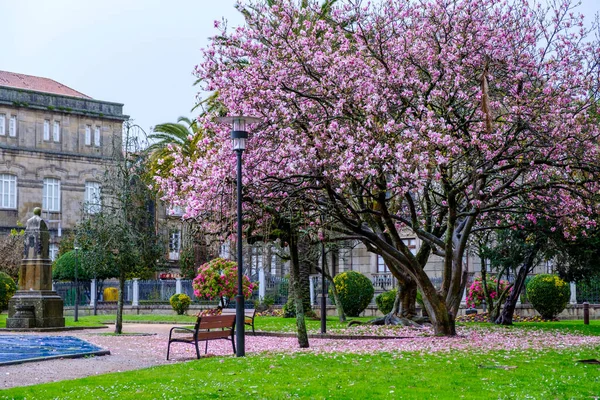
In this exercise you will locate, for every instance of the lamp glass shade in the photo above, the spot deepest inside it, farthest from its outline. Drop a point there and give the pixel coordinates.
(239, 124)
(239, 143)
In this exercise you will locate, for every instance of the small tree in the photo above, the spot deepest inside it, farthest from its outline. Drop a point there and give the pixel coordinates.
(11, 253)
(121, 235)
(217, 279)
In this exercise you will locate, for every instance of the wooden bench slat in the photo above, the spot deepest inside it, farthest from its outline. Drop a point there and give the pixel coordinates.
(223, 325)
(249, 314)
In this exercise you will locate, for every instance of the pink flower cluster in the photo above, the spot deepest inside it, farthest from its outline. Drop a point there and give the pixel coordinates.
(218, 279)
(475, 294)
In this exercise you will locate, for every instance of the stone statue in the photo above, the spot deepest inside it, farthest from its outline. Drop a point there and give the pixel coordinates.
(37, 237)
(35, 304)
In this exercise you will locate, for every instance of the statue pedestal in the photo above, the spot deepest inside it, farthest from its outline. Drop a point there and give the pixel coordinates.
(35, 305)
(35, 309)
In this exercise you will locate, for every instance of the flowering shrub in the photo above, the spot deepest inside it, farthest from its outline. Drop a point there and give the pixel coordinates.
(475, 293)
(548, 294)
(180, 303)
(217, 279)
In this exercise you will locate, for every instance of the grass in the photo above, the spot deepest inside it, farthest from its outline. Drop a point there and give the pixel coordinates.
(453, 375)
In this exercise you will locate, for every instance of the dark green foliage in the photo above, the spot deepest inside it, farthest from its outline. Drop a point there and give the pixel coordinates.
(589, 290)
(355, 292)
(180, 303)
(63, 269)
(548, 294)
(385, 301)
(187, 263)
(7, 289)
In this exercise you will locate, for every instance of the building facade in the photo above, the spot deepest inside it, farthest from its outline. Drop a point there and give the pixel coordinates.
(55, 144)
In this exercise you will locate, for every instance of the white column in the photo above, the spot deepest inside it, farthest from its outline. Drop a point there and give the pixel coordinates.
(312, 290)
(261, 284)
(93, 291)
(178, 285)
(463, 301)
(136, 292)
(573, 299)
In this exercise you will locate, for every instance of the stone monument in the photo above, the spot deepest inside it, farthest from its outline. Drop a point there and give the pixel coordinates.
(35, 304)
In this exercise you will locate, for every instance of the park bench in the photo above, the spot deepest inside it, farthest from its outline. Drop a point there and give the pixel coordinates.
(210, 327)
(249, 314)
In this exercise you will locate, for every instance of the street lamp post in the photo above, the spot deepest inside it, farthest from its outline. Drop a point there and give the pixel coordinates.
(239, 134)
(323, 290)
(76, 312)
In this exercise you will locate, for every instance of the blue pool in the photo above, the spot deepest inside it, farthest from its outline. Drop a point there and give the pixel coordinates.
(15, 349)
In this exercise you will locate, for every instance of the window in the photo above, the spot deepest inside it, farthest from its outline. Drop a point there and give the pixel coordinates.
(174, 244)
(51, 195)
(46, 129)
(175, 211)
(411, 243)
(53, 251)
(381, 267)
(2, 124)
(88, 135)
(8, 191)
(12, 126)
(97, 136)
(56, 131)
(225, 251)
(92, 197)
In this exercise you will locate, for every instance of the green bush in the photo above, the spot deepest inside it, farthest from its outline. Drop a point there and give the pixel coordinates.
(385, 301)
(63, 269)
(354, 290)
(180, 303)
(548, 294)
(7, 290)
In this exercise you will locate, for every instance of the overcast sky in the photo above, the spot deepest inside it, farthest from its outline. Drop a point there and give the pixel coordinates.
(137, 52)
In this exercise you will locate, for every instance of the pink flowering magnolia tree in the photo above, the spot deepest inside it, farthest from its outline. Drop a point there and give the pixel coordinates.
(217, 279)
(429, 119)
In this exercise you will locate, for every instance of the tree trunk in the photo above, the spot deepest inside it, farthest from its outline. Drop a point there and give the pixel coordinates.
(407, 294)
(506, 317)
(295, 278)
(304, 279)
(338, 303)
(336, 297)
(442, 321)
(119, 321)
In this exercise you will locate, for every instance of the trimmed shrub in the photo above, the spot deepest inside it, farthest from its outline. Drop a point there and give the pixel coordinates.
(385, 301)
(180, 303)
(354, 290)
(548, 294)
(63, 269)
(7, 290)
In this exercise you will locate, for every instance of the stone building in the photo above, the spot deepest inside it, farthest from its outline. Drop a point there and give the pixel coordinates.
(55, 143)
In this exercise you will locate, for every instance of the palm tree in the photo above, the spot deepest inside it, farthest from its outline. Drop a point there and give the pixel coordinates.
(169, 138)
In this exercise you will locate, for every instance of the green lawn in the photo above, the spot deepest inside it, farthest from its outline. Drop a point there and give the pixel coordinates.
(534, 374)
(494, 375)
